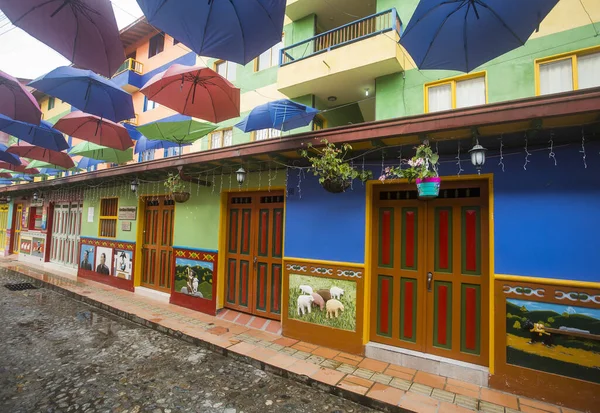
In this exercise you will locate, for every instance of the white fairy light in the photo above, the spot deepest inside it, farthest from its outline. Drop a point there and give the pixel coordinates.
(582, 151)
(552, 154)
(213, 183)
(460, 169)
(501, 162)
(527, 154)
(299, 181)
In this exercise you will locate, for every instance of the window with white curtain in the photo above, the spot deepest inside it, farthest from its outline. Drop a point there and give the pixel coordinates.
(269, 57)
(226, 69)
(263, 134)
(456, 93)
(221, 138)
(569, 72)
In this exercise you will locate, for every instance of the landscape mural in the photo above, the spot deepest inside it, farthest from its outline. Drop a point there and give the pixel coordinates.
(332, 302)
(194, 278)
(554, 338)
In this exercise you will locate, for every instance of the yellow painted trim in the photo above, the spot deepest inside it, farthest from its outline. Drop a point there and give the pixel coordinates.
(111, 217)
(325, 262)
(491, 261)
(367, 270)
(222, 250)
(254, 189)
(221, 137)
(563, 56)
(139, 241)
(547, 281)
(452, 82)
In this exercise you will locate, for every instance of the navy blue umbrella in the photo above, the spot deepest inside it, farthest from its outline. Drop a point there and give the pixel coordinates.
(280, 114)
(463, 34)
(145, 144)
(43, 135)
(85, 163)
(8, 157)
(87, 91)
(233, 30)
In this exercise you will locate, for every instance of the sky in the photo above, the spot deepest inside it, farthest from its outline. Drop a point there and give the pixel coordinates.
(23, 56)
(558, 308)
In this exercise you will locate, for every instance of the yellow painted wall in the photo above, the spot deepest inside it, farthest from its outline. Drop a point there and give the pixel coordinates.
(59, 107)
(569, 14)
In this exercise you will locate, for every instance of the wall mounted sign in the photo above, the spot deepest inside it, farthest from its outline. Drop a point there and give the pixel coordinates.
(90, 214)
(128, 213)
(126, 226)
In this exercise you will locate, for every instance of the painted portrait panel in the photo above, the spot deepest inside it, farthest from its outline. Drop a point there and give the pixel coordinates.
(123, 264)
(103, 260)
(86, 260)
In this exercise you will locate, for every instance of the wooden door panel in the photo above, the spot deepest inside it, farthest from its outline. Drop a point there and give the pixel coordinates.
(157, 248)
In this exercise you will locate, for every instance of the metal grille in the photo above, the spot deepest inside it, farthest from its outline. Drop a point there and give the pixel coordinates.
(271, 199)
(241, 200)
(397, 195)
(20, 286)
(460, 193)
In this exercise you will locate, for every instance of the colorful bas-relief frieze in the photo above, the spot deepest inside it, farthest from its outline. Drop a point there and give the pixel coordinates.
(106, 261)
(324, 301)
(194, 279)
(556, 338)
(324, 304)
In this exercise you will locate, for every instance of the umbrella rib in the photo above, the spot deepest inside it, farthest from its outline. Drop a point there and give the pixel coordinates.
(31, 10)
(241, 29)
(210, 5)
(501, 21)
(431, 10)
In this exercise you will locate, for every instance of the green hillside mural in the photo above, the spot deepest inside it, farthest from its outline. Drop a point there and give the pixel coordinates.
(194, 278)
(554, 338)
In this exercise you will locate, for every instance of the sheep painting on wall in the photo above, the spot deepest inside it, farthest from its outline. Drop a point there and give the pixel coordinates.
(324, 301)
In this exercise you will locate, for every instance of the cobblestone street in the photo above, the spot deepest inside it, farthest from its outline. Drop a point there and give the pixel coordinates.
(59, 355)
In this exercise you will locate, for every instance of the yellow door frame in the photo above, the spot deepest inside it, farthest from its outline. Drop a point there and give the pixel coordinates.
(369, 229)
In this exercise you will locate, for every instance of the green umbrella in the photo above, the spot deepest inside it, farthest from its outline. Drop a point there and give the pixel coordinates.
(102, 153)
(42, 164)
(183, 132)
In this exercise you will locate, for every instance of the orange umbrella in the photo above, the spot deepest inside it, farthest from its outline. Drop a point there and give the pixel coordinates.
(195, 91)
(26, 150)
(94, 129)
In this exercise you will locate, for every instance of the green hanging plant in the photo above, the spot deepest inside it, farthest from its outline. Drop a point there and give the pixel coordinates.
(330, 165)
(176, 187)
(422, 165)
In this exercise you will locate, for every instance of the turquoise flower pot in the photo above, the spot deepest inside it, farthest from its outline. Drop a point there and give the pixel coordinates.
(428, 188)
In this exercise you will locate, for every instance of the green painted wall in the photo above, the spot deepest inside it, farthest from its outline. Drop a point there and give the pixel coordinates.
(340, 116)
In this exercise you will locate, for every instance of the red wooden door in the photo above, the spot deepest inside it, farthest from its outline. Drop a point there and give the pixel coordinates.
(254, 253)
(157, 248)
(430, 270)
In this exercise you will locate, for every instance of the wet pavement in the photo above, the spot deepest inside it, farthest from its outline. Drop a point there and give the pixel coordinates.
(60, 355)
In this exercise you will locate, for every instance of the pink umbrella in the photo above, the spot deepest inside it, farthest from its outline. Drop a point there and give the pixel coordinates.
(195, 91)
(16, 102)
(94, 129)
(20, 168)
(5, 175)
(83, 31)
(26, 150)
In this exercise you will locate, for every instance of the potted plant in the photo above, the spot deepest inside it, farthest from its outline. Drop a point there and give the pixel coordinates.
(329, 164)
(176, 188)
(422, 169)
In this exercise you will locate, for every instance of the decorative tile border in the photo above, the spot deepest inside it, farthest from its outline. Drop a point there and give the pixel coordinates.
(121, 245)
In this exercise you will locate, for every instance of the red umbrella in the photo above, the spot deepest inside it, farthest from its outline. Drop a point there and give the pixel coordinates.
(5, 175)
(195, 91)
(94, 129)
(16, 102)
(19, 168)
(46, 155)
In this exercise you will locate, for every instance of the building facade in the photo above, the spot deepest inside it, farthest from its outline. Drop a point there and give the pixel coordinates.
(494, 281)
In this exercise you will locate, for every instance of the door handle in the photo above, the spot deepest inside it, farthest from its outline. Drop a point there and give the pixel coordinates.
(254, 261)
(429, 279)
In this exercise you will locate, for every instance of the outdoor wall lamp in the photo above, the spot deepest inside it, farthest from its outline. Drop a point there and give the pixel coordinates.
(478, 156)
(8, 198)
(35, 196)
(241, 175)
(134, 185)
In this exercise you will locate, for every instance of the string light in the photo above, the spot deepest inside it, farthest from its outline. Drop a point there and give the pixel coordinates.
(287, 171)
(527, 154)
(221, 188)
(269, 178)
(259, 176)
(501, 162)
(552, 154)
(213, 183)
(230, 175)
(352, 180)
(582, 151)
(460, 169)
(299, 181)
(363, 169)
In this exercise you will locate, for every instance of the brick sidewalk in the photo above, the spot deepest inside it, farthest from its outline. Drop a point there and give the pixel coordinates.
(258, 342)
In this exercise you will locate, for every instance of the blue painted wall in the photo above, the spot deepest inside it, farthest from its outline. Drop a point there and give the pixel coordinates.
(547, 218)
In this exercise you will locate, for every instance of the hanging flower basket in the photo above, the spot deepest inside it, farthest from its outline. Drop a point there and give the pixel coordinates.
(428, 188)
(180, 197)
(335, 186)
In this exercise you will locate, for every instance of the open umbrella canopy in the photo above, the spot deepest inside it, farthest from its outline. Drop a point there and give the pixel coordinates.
(463, 34)
(49, 172)
(280, 114)
(24, 169)
(45, 165)
(43, 135)
(133, 132)
(94, 129)
(5, 175)
(233, 30)
(195, 91)
(87, 91)
(145, 144)
(20, 177)
(102, 153)
(16, 102)
(83, 31)
(181, 132)
(8, 158)
(85, 163)
(35, 152)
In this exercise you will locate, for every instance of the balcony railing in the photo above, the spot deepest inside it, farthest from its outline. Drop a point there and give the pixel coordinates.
(349, 33)
(130, 64)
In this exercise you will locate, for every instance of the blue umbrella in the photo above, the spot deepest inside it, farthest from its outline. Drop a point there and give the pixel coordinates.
(21, 177)
(281, 114)
(6, 182)
(8, 157)
(85, 163)
(463, 34)
(145, 144)
(233, 30)
(87, 91)
(43, 135)
(49, 171)
(133, 132)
